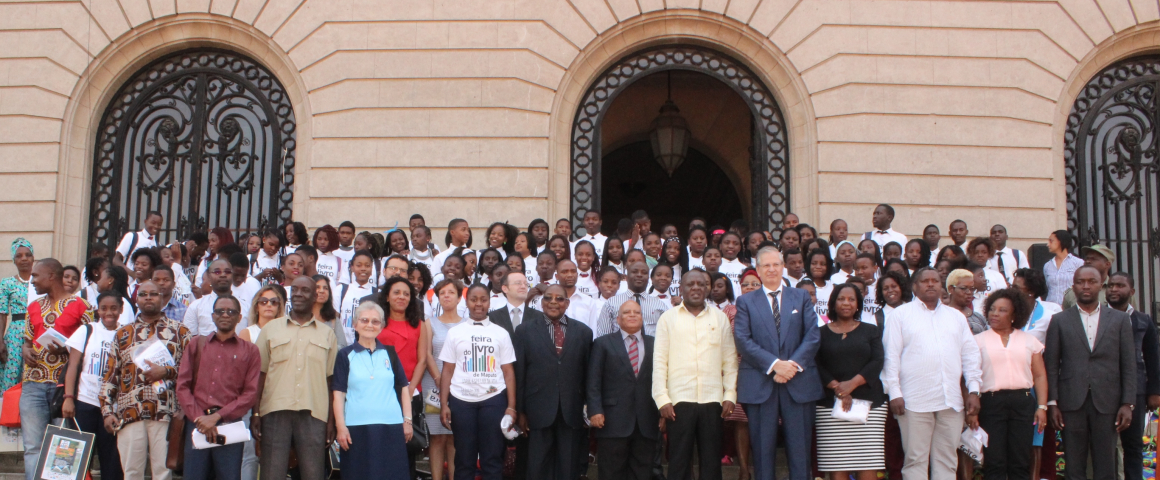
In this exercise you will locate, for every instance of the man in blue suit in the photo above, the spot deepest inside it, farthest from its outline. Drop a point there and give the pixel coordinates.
(777, 336)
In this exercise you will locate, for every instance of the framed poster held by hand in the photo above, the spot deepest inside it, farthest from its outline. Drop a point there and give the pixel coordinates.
(64, 454)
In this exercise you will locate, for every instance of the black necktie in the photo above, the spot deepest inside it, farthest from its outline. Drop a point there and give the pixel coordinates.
(637, 295)
(776, 311)
(1002, 270)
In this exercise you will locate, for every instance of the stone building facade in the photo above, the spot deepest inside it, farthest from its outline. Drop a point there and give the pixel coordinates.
(944, 109)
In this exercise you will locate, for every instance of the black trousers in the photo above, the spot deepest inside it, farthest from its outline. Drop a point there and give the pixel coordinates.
(697, 424)
(554, 452)
(1087, 430)
(1132, 439)
(89, 419)
(627, 458)
(1007, 417)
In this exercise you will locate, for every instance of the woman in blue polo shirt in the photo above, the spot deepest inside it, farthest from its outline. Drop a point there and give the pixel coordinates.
(370, 396)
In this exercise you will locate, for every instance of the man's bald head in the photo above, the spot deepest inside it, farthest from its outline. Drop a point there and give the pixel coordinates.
(629, 317)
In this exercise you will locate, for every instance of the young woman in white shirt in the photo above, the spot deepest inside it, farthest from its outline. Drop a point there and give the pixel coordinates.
(525, 246)
(326, 242)
(265, 263)
(839, 232)
(790, 238)
(698, 241)
(820, 268)
(753, 241)
(586, 260)
(397, 243)
(559, 245)
(295, 233)
(253, 243)
(891, 251)
(674, 254)
(652, 248)
(501, 237)
(916, 254)
(89, 347)
(516, 263)
(731, 265)
(662, 287)
(488, 259)
(845, 262)
(479, 392)
(219, 237)
(721, 293)
(613, 254)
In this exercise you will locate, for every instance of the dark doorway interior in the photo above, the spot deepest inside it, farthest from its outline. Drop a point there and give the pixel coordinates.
(632, 180)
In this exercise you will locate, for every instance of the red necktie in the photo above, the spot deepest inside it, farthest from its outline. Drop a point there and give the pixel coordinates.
(558, 336)
(634, 355)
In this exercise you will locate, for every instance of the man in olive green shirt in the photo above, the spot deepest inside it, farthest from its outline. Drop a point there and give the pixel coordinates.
(294, 401)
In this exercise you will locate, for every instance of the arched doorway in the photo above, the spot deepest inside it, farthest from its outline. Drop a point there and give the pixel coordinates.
(1112, 145)
(767, 157)
(632, 180)
(206, 137)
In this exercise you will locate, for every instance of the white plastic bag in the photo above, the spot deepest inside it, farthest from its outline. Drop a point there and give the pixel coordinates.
(973, 442)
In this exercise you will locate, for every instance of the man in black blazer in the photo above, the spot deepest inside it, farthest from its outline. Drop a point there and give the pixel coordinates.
(620, 404)
(1091, 378)
(551, 371)
(514, 313)
(1120, 289)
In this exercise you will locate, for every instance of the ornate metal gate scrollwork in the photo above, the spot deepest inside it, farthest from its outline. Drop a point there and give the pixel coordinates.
(206, 137)
(770, 165)
(1113, 174)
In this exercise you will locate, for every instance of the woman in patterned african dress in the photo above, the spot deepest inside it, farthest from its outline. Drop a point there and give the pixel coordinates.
(15, 293)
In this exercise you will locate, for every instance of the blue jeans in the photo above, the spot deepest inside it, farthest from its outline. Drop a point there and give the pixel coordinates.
(34, 417)
(249, 456)
(221, 463)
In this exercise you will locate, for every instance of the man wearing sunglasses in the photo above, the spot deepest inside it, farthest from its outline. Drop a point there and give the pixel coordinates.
(217, 384)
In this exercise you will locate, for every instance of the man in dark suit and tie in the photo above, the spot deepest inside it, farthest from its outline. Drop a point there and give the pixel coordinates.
(1120, 290)
(777, 335)
(1090, 356)
(620, 404)
(551, 372)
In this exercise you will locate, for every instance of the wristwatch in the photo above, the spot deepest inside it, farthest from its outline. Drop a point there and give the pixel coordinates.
(1043, 407)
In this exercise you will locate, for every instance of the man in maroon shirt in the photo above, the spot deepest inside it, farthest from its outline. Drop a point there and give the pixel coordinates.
(226, 387)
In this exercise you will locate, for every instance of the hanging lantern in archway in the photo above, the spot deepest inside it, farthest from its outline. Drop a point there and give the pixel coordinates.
(670, 135)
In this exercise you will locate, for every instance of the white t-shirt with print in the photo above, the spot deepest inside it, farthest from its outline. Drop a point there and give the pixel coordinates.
(477, 353)
(586, 283)
(732, 269)
(822, 306)
(345, 304)
(96, 354)
(330, 265)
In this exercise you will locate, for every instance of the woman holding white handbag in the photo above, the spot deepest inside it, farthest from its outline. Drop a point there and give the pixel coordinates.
(851, 419)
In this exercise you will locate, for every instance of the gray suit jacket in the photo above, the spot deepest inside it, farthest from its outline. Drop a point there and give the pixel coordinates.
(1108, 371)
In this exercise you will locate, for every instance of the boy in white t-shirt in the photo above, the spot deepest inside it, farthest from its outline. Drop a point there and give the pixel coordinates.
(478, 393)
(89, 348)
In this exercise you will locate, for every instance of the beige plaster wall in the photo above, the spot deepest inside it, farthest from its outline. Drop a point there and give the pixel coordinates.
(463, 108)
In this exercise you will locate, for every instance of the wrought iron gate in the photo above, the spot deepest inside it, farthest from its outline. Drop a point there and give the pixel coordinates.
(1113, 171)
(206, 137)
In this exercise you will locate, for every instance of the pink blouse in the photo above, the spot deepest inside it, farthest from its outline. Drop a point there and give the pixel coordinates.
(1007, 368)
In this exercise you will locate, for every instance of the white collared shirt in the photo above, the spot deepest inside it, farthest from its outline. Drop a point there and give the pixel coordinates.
(1009, 262)
(927, 353)
(199, 316)
(144, 240)
(1091, 323)
(586, 283)
(882, 237)
(596, 241)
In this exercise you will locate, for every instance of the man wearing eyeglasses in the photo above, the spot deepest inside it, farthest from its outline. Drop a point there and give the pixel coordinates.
(217, 384)
(551, 370)
(199, 316)
(138, 403)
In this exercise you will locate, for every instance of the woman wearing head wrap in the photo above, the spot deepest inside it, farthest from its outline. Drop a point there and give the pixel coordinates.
(15, 293)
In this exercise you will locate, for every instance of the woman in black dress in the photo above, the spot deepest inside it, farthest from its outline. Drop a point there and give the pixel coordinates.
(849, 361)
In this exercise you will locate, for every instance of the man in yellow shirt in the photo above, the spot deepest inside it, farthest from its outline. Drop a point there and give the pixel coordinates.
(694, 378)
